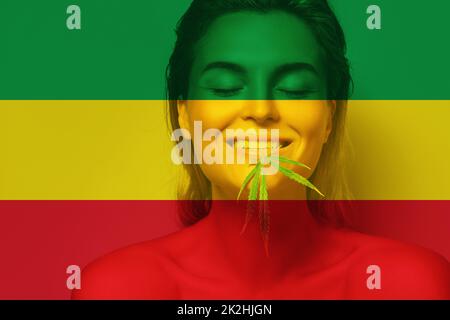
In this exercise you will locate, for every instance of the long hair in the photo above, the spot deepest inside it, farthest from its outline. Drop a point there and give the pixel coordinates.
(329, 175)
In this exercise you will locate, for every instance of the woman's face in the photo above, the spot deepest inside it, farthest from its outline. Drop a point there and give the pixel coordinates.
(260, 71)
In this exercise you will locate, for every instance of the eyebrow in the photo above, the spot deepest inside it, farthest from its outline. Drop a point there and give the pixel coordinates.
(296, 66)
(224, 65)
(286, 68)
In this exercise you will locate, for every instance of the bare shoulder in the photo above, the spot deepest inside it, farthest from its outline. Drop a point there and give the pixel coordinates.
(405, 271)
(139, 271)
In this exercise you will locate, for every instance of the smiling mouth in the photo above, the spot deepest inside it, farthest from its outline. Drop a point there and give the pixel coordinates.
(259, 144)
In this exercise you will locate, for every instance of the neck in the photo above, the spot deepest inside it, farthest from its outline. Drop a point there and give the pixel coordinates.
(292, 234)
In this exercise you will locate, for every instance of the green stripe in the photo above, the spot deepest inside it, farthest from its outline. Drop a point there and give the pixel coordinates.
(123, 47)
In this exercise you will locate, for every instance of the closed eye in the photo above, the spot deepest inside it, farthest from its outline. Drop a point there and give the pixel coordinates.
(296, 93)
(225, 92)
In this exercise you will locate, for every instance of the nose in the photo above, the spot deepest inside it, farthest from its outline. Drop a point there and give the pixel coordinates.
(260, 111)
(260, 107)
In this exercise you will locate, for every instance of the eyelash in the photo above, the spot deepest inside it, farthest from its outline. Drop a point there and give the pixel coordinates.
(226, 92)
(234, 91)
(295, 93)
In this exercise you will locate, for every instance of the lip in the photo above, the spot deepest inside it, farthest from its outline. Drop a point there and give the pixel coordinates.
(258, 144)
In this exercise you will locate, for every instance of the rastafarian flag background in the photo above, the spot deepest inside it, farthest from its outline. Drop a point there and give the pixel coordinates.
(85, 163)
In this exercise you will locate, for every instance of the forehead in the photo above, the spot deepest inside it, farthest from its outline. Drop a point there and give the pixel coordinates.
(258, 40)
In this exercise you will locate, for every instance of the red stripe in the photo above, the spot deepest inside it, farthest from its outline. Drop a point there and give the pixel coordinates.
(39, 239)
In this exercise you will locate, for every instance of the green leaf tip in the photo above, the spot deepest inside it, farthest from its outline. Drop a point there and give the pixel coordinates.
(258, 188)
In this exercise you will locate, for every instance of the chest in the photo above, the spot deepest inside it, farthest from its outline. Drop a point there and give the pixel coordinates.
(328, 284)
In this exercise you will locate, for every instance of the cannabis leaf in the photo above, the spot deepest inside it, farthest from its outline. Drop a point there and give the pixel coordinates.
(247, 180)
(263, 195)
(259, 179)
(286, 160)
(298, 178)
(258, 191)
(253, 195)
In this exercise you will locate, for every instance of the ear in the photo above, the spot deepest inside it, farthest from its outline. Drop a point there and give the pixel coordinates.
(183, 118)
(332, 105)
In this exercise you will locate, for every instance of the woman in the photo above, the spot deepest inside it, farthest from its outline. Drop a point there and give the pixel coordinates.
(273, 64)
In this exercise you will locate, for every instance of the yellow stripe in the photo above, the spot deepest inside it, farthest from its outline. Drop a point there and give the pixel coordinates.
(121, 150)
(402, 149)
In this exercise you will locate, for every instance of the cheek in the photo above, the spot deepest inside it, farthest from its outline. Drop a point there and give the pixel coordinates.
(308, 117)
(309, 120)
(213, 113)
